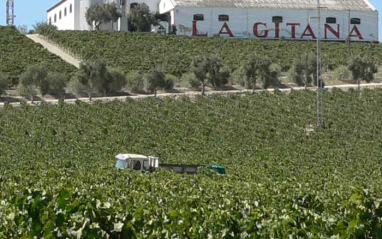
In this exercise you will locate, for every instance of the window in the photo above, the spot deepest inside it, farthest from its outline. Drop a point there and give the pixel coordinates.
(223, 18)
(55, 17)
(198, 17)
(70, 8)
(59, 15)
(277, 19)
(65, 12)
(331, 20)
(50, 21)
(356, 21)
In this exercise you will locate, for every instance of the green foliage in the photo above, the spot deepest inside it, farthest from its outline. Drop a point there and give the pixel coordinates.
(257, 67)
(190, 80)
(36, 75)
(342, 73)
(102, 13)
(305, 67)
(155, 80)
(58, 175)
(362, 68)
(27, 91)
(135, 82)
(4, 84)
(18, 52)
(295, 77)
(44, 28)
(94, 76)
(140, 18)
(117, 81)
(57, 83)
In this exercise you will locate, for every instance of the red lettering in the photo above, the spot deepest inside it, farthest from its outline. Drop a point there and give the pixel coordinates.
(335, 33)
(195, 31)
(308, 32)
(277, 30)
(227, 30)
(355, 33)
(293, 29)
(256, 30)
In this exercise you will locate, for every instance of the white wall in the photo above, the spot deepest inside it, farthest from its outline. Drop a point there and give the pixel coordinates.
(66, 22)
(241, 22)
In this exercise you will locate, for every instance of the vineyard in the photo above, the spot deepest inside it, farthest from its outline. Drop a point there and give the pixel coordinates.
(58, 177)
(18, 52)
(140, 51)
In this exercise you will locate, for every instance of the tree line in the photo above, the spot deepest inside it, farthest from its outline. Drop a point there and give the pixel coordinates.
(96, 77)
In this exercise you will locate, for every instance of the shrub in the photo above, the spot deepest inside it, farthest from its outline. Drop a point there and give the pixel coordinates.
(56, 82)
(135, 82)
(238, 77)
(342, 73)
(273, 78)
(27, 91)
(169, 84)
(189, 80)
(155, 80)
(36, 75)
(44, 28)
(3, 84)
(75, 87)
(117, 80)
(294, 77)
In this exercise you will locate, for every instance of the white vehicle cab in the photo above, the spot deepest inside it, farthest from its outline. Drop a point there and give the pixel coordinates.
(137, 162)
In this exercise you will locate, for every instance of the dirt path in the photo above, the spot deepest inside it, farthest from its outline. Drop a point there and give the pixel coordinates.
(55, 49)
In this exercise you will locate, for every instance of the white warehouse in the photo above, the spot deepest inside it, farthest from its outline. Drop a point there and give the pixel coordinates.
(264, 19)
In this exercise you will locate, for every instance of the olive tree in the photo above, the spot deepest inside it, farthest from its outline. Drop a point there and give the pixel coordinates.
(93, 75)
(99, 14)
(140, 18)
(199, 69)
(362, 68)
(256, 68)
(305, 67)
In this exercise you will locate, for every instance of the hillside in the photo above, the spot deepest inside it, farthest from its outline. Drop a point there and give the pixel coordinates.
(139, 51)
(18, 52)
(58, 175)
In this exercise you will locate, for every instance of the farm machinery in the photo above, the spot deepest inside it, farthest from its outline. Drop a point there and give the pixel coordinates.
(138, 162)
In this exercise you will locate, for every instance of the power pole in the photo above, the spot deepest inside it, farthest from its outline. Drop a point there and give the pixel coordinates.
(10, 12)
(320, 115)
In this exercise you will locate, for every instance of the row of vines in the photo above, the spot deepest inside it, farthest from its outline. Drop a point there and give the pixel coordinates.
(140, 51)
(17, 52)
(58, 179)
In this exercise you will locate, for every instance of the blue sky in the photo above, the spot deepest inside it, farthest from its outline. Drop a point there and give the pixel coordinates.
(28, 12)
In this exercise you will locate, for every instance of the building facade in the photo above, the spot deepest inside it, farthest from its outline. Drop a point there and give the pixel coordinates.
(340, 20)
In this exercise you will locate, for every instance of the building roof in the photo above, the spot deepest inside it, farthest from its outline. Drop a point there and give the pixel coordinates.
(58, 4)
(353, 5)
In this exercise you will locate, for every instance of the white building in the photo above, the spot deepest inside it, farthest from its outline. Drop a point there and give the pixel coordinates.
(270, 19)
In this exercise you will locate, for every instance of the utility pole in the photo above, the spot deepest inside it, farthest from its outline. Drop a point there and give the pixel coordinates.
(320, 115)
(10, 6)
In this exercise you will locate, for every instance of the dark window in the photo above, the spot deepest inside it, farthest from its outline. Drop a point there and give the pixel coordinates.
(70, 8)
(331, 20)
(65, 12)
(55, 17)
(356, 21)
(223, 18)
(59, 15)
(50, 20)
(198, 17)
(277, 19)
